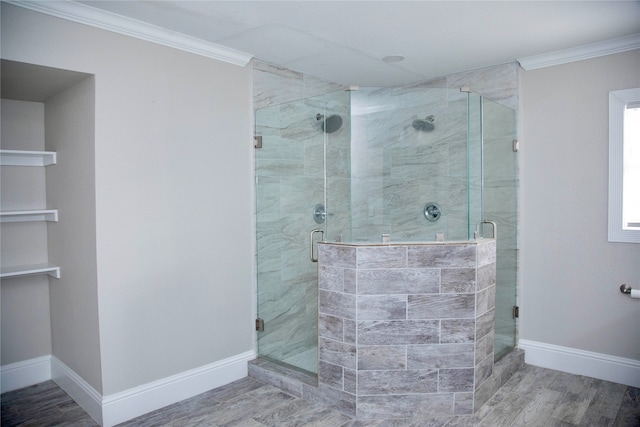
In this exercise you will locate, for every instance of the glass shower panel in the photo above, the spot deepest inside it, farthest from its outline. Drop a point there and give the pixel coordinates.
(408, 149)
(290, 182)
(500, 204)
(474, 164)
(338, 166)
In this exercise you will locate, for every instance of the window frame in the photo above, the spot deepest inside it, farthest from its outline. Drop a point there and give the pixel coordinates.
(618, 99)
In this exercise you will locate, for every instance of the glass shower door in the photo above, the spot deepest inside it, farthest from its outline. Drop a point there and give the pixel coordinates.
(304, 157)
(289, 173)
(500, 204)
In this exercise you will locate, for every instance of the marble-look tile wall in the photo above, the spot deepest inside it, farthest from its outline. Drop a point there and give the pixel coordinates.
(275, 85)
(405, 330)
(397, 169)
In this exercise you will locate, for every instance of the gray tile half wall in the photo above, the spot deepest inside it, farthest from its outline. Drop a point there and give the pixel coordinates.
(412, 334)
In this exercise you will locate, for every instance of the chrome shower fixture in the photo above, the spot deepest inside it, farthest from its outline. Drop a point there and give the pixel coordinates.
(331, 123)
(432, 211)
(425, 125)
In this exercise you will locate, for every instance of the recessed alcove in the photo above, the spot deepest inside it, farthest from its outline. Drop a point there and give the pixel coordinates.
(47, 153)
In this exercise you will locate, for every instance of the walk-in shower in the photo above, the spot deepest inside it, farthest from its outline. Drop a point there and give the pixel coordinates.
(380, 170)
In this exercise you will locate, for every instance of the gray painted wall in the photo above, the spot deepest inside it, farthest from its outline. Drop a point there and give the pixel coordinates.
(570, 273)
(69, 131)
(173, 199)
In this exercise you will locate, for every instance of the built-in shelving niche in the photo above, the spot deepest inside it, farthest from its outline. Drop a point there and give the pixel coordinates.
(31, 83)
(28, 158)
(46, 161)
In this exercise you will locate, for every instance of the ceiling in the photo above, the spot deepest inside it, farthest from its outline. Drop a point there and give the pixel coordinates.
(345, 41)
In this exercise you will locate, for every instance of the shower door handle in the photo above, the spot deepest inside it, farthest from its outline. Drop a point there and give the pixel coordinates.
(495, 227)
(314, 231)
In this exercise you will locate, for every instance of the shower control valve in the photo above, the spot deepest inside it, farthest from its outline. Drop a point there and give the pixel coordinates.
(432, 212)
(319, 213)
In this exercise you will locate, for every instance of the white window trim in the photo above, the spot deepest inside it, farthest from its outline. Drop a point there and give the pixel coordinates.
(617, 102)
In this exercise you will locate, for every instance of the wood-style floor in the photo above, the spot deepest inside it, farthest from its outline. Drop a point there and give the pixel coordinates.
(532, 397)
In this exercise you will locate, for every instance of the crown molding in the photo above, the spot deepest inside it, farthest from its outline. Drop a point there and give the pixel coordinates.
(109, 21)
(607, 47)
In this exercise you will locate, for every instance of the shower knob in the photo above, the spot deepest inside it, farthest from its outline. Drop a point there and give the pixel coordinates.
(432, 212)
(319, 213)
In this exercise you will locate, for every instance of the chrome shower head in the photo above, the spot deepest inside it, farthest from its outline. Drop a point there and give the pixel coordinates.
(424, 125)
(331, 123)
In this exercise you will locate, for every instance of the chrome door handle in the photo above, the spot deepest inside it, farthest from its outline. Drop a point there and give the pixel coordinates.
(495, 227)
(316, 230)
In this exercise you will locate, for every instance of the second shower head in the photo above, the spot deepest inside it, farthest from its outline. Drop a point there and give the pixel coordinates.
(330, 124)
(424, 125)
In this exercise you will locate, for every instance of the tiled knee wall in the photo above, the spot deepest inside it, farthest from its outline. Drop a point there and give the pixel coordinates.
(405, 330)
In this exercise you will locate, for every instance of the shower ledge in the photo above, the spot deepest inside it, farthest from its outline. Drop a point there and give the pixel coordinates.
(400, 243)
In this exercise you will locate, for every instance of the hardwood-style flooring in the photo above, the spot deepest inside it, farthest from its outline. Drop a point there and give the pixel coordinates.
(532, 397)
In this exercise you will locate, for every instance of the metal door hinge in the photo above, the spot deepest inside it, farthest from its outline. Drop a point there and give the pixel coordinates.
(259, 325)
(516, 145)
(516, 311)
(257, 141)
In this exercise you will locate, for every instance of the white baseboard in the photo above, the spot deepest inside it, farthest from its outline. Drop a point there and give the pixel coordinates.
(123, 406)
(25, 373)
(574, 361)
(75, 386)
(119, 407)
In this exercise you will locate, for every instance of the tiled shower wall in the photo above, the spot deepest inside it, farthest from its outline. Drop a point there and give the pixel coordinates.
(394, 169)
(406, 330)
(397, 169)
(274, 85)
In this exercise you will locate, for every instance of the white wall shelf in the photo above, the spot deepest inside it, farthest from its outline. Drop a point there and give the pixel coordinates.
(28, 270)
(30, 215)
(27, 158)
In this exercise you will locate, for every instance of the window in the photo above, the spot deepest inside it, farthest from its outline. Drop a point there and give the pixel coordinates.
(624, 166)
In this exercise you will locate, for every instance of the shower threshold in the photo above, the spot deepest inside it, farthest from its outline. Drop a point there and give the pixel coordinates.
(304, 384)
(287, 378)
